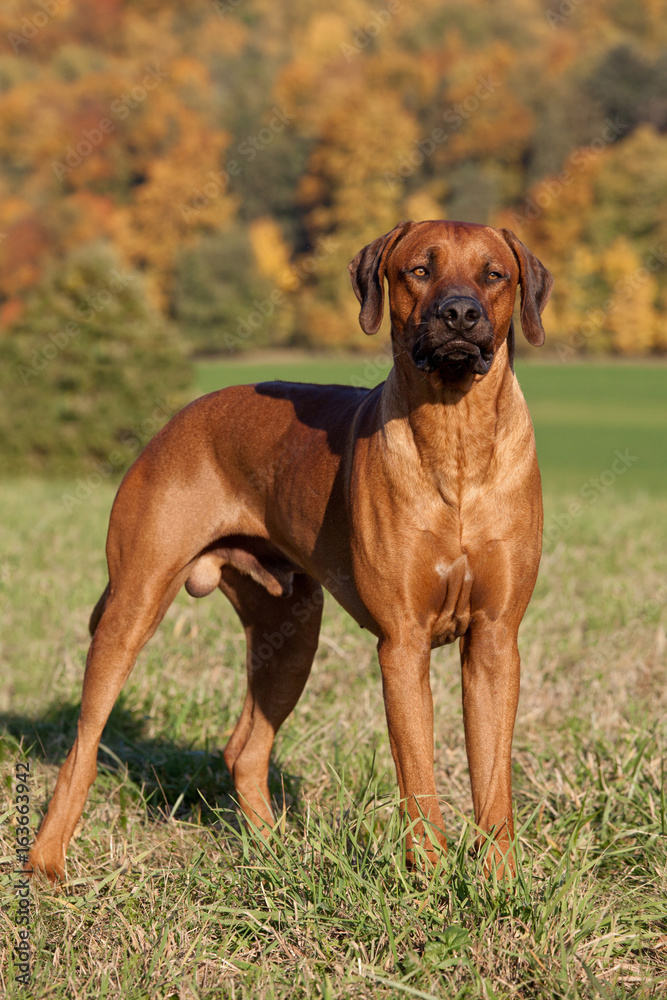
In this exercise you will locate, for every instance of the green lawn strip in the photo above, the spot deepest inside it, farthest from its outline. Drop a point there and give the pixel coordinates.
(341, 370)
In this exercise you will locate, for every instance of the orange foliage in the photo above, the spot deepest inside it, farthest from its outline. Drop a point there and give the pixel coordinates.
(147, 125)
(22, 252)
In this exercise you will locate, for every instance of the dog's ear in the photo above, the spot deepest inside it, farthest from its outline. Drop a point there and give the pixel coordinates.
(536, 284)
(367, 272)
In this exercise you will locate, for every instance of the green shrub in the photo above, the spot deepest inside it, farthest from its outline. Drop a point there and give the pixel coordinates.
(88, 373)
(216, 288)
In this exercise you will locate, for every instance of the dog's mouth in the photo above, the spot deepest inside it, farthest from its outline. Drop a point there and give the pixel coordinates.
(454, 357)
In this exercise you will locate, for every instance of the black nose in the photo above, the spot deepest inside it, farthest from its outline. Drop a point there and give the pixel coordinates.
(459, 313)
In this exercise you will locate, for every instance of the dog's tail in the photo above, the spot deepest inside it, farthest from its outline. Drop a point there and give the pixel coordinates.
(98, 611)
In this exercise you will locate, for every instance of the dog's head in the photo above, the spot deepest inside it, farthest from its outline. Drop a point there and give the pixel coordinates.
(452, 288)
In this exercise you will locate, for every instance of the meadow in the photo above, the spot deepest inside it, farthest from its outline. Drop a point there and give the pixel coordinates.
(169, 896)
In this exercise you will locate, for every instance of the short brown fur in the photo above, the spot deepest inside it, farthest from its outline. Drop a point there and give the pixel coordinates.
(417, 503)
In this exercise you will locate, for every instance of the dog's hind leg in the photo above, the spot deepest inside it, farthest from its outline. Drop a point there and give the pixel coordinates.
(133, 609)
(281, 640)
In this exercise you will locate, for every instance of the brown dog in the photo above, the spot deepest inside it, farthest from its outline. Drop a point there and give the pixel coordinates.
(417, 503)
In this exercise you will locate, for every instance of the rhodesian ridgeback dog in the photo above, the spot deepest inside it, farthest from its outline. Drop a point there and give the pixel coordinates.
(417, 503)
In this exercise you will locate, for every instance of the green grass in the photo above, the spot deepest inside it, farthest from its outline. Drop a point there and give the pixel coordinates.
(170, 897)
(583, 413)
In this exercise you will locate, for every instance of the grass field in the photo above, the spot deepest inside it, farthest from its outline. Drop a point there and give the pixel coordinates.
(169, 897)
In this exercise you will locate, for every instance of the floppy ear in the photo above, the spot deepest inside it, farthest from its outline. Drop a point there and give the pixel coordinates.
(367, 272)
(536, 284)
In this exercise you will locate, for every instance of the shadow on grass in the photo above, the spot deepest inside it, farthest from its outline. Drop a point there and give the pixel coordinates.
(172, 779)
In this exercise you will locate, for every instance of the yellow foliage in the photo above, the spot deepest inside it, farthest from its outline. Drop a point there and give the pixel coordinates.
(421, 206)
(222, 37)
(324, 36)
(361, 142)
(32, 124)
(660, 330)
(573, 300)
(12, 209)
(184, 193)
(151, 32)
(482, 113)
(619, 260)
(271, 252)
(631, 317)
(319, 324)
(189, 71)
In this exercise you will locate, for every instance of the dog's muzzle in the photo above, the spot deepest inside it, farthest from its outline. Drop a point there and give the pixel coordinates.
(457, 335)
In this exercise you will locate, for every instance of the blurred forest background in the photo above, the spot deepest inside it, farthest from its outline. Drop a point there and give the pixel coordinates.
(191, 177)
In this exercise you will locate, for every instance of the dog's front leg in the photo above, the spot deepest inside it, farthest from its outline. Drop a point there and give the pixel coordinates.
(409, 707)
(490, 672)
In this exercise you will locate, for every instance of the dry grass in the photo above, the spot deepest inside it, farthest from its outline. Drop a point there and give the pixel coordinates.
(169, 897)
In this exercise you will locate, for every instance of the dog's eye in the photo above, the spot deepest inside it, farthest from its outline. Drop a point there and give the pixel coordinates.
(420, 272)
(495, 275)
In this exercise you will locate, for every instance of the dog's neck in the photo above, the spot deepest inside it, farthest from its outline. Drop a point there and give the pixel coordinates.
(457, 425)
(416, 395)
